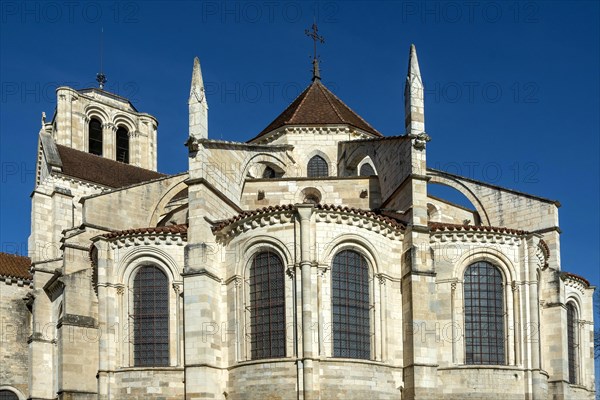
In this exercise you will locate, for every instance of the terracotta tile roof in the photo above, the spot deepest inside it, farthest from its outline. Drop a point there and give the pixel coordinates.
(100, 170)
(577, 278)
(318, 106)
(246, 214)
(15, 266)
(439, 226)
(156, 229)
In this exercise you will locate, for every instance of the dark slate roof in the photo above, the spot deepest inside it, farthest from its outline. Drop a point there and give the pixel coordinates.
(14, 266)
(318, 106)
(100, 170)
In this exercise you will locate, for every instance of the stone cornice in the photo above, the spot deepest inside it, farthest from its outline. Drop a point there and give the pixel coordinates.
(247, 221)
(166, 235)
(366, 220)
(475, 236)
(282, 214)
(8, 280)
(316, 129)
(575, 281)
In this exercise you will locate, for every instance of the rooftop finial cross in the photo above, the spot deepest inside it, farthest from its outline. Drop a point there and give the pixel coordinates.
(314, 34)
(100, 77)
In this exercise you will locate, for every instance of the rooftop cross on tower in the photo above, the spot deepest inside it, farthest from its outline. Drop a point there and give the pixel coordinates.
(314, 34)
(100, 77)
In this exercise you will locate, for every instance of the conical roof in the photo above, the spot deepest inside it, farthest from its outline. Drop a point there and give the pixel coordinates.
(316, 105)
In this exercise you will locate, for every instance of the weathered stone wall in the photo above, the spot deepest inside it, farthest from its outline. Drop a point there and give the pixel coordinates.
(148, 383)
(137, 206)
(15, 320)
(357, 192)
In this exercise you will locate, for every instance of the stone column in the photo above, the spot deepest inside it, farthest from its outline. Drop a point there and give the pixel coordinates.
(308, 355)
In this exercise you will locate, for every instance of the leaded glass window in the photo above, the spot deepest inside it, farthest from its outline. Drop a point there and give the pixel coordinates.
(317, 167)
(151, 317)
(572, 342)
(95, 137)
(350, 306)
(267, 306)
(8, 395)
(484, 314)
(367, 170)
(123, 145)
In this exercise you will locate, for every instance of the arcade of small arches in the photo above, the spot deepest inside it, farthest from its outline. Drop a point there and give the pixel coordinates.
(96, 135)
(318, 167)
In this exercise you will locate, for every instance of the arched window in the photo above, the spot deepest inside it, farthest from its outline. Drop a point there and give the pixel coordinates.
(367, 170)
(267, 306)
(151, 317)
(95, 137)
(317, 167)
(8, 395)
(350, 306)
(573, 343)
(122, 145)
(484, 314)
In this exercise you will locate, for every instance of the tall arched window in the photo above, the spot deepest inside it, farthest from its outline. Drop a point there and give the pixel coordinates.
(151, 317)
(350, 306)
(8, 395)
(484, 314)
(573, 343)
(267, 306)
(317, 167)
(95, 137)
(122, 145)
(367, 170)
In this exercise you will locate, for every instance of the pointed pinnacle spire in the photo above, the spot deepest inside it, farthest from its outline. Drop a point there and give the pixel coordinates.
(413, 64)
(414, 101)
(197, 105)
(197, 82)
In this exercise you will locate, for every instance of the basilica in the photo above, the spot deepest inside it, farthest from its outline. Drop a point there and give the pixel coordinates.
(308, 262)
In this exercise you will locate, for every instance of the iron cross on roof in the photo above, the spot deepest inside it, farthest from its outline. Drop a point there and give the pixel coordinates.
(314, 34)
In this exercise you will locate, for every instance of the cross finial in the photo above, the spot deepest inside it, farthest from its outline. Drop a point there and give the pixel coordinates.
(100, 77)
(314, 34)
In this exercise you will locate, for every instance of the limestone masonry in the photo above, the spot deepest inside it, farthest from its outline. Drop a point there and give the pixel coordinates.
(306, 263)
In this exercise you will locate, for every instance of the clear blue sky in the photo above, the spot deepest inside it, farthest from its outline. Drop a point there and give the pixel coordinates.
(512, 89)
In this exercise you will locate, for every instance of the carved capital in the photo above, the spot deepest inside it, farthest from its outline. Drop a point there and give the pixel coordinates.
(120, 290)
(177, 287)
(322, 271)
(237, 282)
(291, 272)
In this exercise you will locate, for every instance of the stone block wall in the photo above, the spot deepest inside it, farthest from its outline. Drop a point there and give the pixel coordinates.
(15, 321)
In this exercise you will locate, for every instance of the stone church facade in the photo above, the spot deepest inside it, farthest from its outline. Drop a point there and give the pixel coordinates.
(306, 263)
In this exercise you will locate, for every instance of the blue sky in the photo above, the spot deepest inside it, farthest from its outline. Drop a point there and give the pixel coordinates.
(512, 88)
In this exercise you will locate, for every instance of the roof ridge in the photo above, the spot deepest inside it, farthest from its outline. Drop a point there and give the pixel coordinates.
(325, 92)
